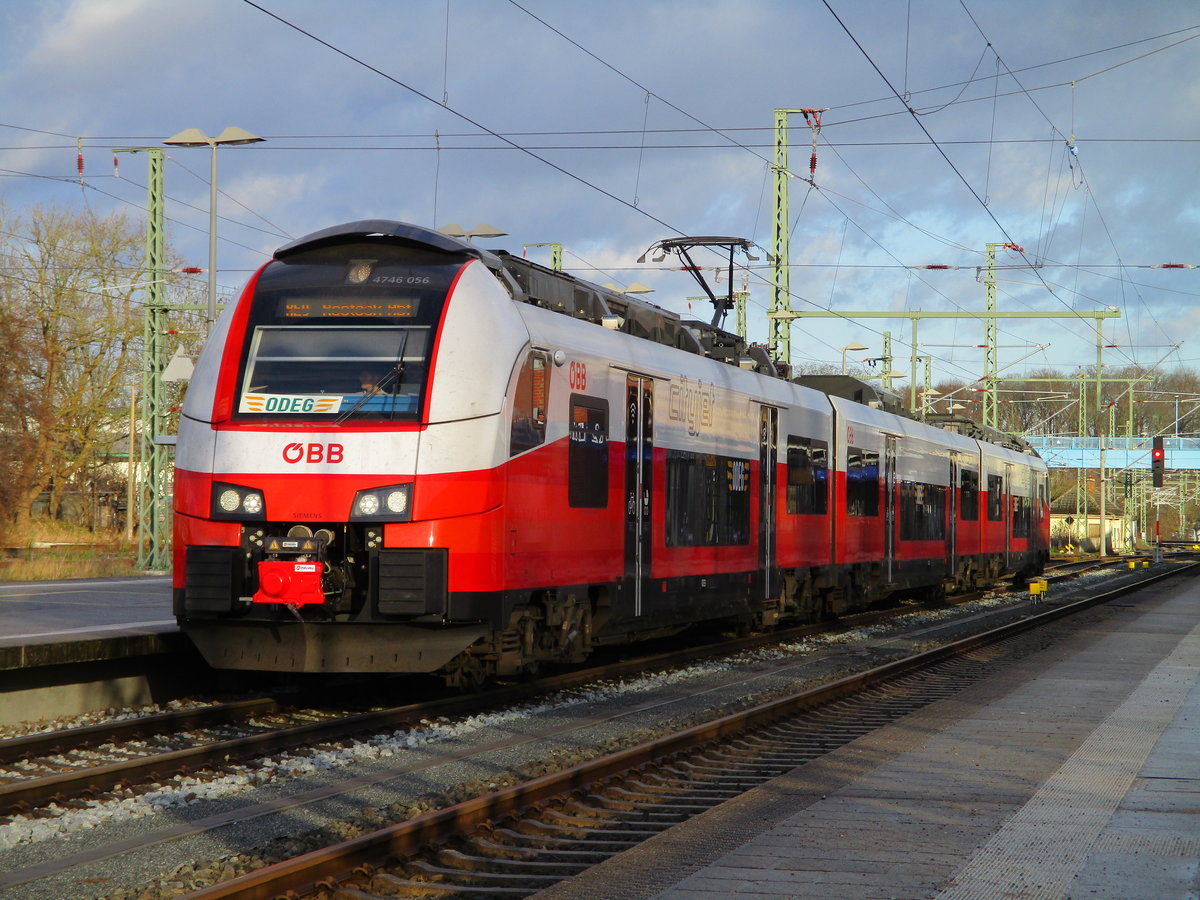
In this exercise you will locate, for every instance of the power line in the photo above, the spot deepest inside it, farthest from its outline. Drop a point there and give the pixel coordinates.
(463, 116)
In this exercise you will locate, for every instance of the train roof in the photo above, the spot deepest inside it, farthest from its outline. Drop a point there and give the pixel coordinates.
(529, 282)
(381, 229)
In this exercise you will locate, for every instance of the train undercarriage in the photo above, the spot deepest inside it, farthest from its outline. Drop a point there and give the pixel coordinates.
(331, 600)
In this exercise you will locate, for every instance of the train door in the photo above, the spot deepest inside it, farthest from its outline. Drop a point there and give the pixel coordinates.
(889, 505)
(952, 502)
(768, 453)
(639, 452)
(1006, 515)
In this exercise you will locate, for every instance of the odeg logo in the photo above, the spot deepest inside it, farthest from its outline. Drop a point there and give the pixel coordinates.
(313, 453)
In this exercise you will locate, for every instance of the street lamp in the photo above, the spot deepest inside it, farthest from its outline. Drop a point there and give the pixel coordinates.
(482, 230)
(194, 137)
(848, 347)
(636, 288)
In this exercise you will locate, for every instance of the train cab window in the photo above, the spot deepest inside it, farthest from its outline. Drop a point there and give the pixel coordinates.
(529, 405)
(807, 476)
(995, 498)
(587, 457)
(336, 370)
(968, 497)
(342, 332)
(862, 482)
(708, 500)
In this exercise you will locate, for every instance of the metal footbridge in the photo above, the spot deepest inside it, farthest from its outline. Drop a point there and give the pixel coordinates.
(1119, 452)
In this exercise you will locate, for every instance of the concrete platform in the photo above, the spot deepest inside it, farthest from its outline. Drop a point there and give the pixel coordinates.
(85, 620)
(1075, 773)
(68, 647)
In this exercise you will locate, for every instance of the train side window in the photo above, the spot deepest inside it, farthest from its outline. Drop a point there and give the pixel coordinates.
(529, 406)
(708, 500)
(862, 482)
(1022, 513)
(995, 498)
(807, 476)
(587, 457)
(922, 511)
(968, 501)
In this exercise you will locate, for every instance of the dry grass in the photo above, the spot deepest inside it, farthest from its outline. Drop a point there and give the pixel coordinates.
(52, 550)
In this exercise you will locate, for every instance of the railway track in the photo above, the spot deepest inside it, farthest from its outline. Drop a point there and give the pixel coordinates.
(519, 839)
(84, 763)
(445, 755)
(81, 764)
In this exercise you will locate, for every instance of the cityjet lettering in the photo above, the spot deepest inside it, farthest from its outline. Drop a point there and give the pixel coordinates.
(692, 403)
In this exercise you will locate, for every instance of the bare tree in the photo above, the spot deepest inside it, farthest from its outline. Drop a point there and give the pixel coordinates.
(72, 334)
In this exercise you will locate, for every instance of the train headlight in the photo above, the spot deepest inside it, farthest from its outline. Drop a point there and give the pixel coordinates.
(392, 503)
(233, 501)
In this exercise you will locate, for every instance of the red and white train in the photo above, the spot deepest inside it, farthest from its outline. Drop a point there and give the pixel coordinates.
(402, 453)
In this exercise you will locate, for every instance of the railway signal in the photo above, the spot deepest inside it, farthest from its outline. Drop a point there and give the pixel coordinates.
(1158, 462)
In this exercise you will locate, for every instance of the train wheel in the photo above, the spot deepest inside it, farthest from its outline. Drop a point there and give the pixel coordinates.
(471, 674)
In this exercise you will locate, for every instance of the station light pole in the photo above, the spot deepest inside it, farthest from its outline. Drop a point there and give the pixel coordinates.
(194, 137)
(853, 345)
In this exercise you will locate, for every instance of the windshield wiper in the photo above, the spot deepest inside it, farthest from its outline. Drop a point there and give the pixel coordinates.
(394, 374)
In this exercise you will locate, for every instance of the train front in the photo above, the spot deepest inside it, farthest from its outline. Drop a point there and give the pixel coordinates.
(339, 436)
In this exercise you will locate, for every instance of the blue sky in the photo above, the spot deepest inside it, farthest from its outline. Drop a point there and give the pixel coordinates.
(625, 122)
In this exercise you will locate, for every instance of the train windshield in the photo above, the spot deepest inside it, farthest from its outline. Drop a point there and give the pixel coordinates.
(343, 333)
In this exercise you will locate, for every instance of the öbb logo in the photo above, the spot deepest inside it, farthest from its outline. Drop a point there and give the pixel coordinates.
(313, 453)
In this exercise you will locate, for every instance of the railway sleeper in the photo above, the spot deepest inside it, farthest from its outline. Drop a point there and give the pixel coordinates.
(387, 885)
(456, 859)
(651, 783)
(579, 829)
(713, 792)
(752, 763)
(713, 775)
(663, 800)
(587, 844)
(417, 868)
(740, 766)
(650, 807)
(518, 846)
(735, 753)
(623, 814)
(771, 756)
(791, 732)
(785, 760)
(660, 780)
(755, 743)
(605, 824)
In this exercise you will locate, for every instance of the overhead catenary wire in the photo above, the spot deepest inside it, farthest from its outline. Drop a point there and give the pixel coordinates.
(845, 264)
